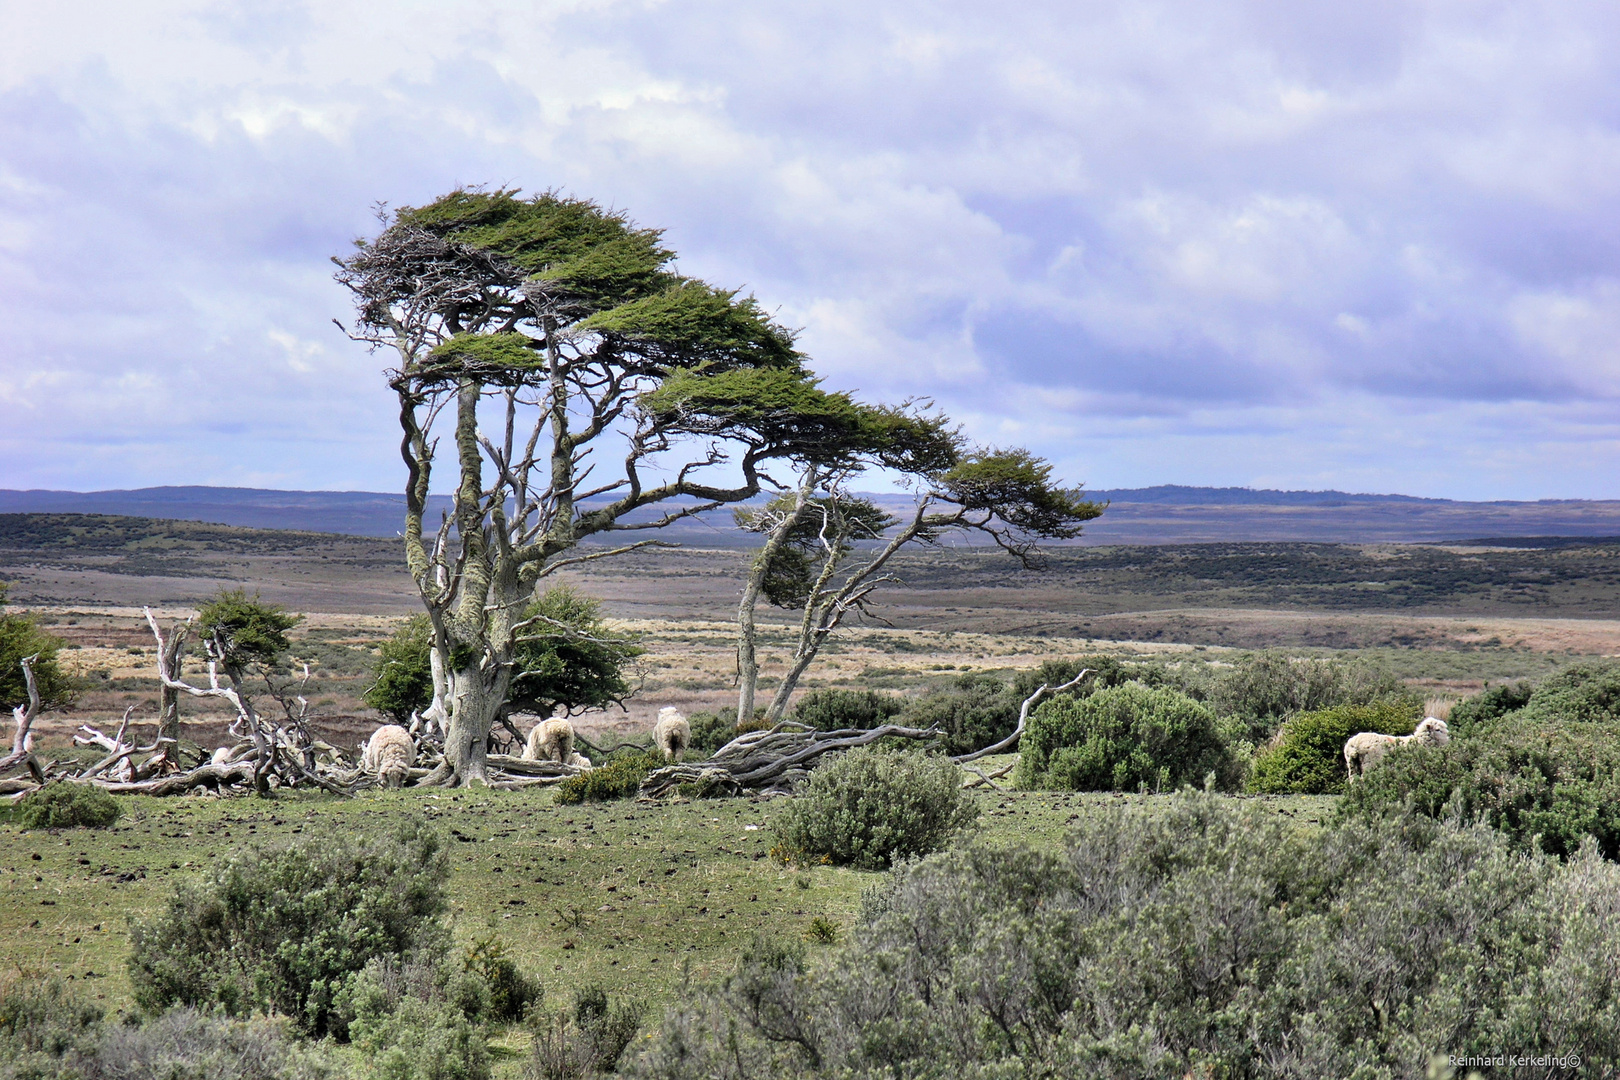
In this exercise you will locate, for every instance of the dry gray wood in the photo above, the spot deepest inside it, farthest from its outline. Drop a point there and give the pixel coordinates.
(769, 760)
(25, 714)
(1023, 718)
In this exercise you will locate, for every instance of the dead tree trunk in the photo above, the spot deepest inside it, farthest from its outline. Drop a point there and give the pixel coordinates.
(22, 740)
(170, 653)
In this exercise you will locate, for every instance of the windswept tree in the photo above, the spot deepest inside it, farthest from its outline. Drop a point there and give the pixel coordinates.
(827, 550)
(567, 660)
(587, 389)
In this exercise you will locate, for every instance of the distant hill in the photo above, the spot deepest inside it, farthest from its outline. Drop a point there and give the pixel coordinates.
(1167, 513)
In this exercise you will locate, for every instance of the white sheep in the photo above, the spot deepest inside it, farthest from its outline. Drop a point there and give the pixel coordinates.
(1366, 749)
(389, 755)
(672, 734)
(580, 761)
(550, 740)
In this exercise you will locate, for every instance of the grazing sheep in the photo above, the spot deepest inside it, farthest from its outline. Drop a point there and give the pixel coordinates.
(550, 740)
(672, 734)
(580, 761)
(389, 754)
(1367, 749)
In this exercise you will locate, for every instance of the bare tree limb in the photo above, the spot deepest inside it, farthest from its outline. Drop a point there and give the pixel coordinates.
(1023, 718)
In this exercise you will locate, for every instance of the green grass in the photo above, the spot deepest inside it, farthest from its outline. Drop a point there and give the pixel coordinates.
(654, 889)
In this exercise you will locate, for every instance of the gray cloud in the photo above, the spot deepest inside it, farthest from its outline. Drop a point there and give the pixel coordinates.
(1259, 242)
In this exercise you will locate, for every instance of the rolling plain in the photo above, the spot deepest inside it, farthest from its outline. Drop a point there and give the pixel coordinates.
(638, 898)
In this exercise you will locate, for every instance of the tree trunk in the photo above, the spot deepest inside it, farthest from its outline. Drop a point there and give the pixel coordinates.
(747, 648)
(169, 696)
(475, 701)
(790, 681)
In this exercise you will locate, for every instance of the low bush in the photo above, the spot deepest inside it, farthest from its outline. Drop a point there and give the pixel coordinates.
(1186, 938)
(48, 1033)
(1584, 693)
(420, 1040)
(620, 778)
(588, 1042)
(283, 929)
(511, 993)
(869, 807)
(65, 805)
(1263, 689)
(974, 711)
(1307, 755)
(1123, 738)
(710, 731)
(1107, 671)
(829, 710)
(1488, 706)
(1547, 785)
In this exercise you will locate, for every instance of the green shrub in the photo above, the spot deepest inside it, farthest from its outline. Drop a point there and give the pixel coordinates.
(1307, 756)
(250, 630)
(620, 778)
(1548, 785)
(588, 1042)
(402, 680)
(710, 731)
(42, 1020)
(869, 807)
(48, 1033)
(1107, 671)
(20, 637)
(510, 993)
(1488, 706)
(829, 710)
(1583, 693)
(421, 1040)
(65, 805)
(973, 712)
(283, 929)
(1262, 689)
(1120, 739)
(1193, 937)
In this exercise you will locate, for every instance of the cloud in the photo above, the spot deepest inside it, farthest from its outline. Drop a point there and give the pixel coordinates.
(1369, 246)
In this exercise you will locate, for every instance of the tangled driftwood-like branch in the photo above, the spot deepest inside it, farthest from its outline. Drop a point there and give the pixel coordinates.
(1023, 718)
(769, 761)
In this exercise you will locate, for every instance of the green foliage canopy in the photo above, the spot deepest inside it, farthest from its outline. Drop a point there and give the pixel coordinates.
(21, 637)
(1307, 756)
(247, 629)
(568, 658)
(1122, 738)
(403, 673)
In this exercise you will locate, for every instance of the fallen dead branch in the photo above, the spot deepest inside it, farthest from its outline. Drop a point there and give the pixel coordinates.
(770, 761)
(1023, 718)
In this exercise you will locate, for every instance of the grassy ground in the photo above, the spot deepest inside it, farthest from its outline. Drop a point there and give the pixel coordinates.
(629, 895)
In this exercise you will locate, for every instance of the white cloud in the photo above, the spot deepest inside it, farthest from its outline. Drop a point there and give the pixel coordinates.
(1174, 242)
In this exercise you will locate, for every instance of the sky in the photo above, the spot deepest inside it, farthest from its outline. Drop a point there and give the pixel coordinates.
(1371, 247)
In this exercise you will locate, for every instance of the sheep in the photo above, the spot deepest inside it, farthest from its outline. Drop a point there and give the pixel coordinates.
(389, 754)
(1367, 749)
(550, 740)
(672, 734)
(222, 756)
(580, 761)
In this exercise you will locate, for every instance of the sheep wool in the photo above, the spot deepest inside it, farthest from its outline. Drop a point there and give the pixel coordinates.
(671, 734)
(389, 755)
(550, 740)
(1366, 749)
